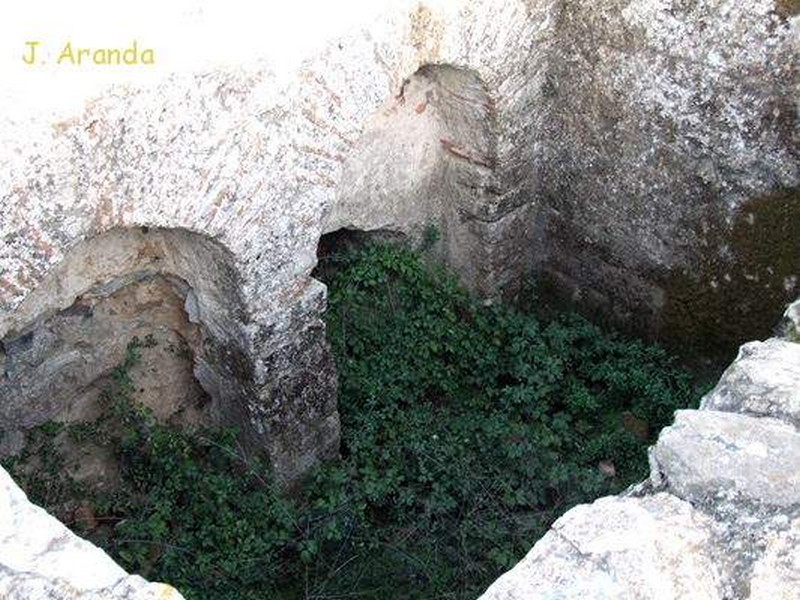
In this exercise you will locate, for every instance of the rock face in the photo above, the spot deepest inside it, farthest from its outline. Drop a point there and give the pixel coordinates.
(638, 156)
(40, 559)
(441, 128)
(224, 182)
(764, 380)
(718, 517)
(669, 174)
(182, 291)
(88, 339)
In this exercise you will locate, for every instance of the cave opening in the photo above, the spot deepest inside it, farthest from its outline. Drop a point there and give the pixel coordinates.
(332, 246)
(65, 365)
(169, 296)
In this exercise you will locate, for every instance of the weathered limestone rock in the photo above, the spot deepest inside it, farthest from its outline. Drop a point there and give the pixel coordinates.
(776, 576)
(225, 181)
(29, 586)
(791, 320)
(440, 127)
(639, 155)
(86, 340)
(589, 140)
(707, 455)
(75, 326)
(669, 167)
(764, 380)
(40, 559)
(653, 547)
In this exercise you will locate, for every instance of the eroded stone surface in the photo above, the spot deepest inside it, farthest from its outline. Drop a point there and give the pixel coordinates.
(51, 369)
(621, 548)
(791, 319)
(708, 455)
(588, 139)
(669, 126)
(764, 380)
(776, 576)
(641, 153)
(75, 326)
(41, 559)
(60, 370)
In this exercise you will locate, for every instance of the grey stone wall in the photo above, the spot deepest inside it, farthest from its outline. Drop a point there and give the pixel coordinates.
(669, 177)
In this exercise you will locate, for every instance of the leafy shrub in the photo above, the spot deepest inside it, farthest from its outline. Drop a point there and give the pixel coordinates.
(466, 430)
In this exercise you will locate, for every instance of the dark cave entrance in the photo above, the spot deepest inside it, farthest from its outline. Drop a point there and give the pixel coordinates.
(335, 244)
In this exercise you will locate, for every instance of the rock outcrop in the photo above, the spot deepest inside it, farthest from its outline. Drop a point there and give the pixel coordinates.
(708, 454)
(718, 517)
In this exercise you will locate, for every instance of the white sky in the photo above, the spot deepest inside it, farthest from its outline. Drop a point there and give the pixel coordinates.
(186, 35)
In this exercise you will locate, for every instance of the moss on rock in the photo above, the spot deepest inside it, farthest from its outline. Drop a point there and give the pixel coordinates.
(787, 8)
(741, 283)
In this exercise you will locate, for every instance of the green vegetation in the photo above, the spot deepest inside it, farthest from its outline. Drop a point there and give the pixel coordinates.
(466, 431)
